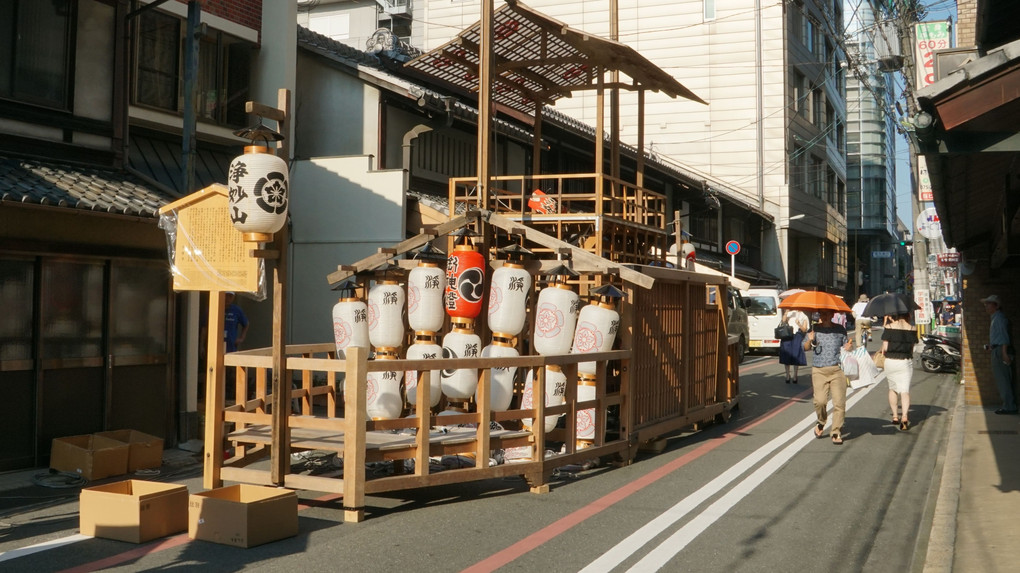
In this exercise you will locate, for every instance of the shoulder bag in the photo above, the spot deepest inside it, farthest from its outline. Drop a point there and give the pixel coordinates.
(784, 331)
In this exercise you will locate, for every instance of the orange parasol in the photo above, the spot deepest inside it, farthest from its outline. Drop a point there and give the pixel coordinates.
(814, 300)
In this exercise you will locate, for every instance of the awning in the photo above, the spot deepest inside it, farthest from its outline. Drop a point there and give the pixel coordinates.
(539, 60)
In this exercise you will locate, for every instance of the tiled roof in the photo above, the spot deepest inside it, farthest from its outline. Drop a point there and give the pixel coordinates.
(77, 186)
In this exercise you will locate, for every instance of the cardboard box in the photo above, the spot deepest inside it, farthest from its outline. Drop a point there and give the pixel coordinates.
(93, 457)
(134, 510)
(243, 515)
(145, 451)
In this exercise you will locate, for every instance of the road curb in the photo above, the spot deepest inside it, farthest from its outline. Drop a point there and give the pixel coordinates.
(940, 552)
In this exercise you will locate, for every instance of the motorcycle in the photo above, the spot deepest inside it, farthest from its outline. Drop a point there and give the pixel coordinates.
(940, 354)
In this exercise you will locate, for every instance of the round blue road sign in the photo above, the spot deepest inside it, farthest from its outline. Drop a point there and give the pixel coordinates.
(732, 247)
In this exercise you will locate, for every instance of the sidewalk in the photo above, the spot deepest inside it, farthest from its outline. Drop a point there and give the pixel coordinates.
(977, 516)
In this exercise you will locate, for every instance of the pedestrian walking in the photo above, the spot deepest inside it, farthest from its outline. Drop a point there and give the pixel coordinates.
(898, 340)
(791, 350)
(862, 324)
(1000, 342)
(827, 378)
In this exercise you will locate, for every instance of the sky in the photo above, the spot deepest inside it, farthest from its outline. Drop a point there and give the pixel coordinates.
(937, 10)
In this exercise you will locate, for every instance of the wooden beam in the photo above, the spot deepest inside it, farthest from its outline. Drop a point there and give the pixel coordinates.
(215, 391)
(280, 461)
(576, 253)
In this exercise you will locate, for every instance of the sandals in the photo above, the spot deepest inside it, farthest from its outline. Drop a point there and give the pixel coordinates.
(895, 421)
(818, 430)
(837, 440)
(904, 425)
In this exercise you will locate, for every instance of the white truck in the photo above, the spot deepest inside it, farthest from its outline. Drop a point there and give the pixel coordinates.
(763, 316)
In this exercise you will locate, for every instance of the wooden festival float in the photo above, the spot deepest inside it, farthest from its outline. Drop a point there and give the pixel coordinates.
(592, 347)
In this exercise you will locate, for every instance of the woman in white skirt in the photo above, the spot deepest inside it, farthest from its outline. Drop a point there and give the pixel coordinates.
(898, 340)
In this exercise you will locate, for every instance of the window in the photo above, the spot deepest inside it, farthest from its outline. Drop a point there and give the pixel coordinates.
(800, 93)
(223, 76)
(797, 170)
(35, 51)
(817, 108)
(709, 6)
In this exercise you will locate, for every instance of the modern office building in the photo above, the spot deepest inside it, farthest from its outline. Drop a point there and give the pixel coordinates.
(871, 150)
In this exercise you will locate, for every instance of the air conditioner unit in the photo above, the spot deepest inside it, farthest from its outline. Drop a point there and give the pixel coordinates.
(950, 59)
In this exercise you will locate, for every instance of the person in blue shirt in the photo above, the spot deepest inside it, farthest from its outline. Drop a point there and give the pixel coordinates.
(235, 324)
(1001, 344)
(825, 341)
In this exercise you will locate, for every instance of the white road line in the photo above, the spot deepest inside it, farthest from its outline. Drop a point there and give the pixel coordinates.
(45, 545)
(665, 551)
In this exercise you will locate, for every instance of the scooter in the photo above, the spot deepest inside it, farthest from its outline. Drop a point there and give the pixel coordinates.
(940, 354)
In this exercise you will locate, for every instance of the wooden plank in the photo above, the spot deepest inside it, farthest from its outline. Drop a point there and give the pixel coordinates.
(280, 463)
(215, 394)
(356, 413)
(373, 261)
(578, 254)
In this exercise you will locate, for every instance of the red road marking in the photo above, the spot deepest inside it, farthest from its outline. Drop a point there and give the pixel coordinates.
(129, 555)
(565, 523)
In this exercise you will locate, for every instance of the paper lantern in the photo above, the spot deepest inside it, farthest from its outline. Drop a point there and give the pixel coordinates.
(508, 298)
(424, 348)
(460, 383)
(350, 324)
(555, 319)
(465, 278)
(386, 315)
(258, 183)
(425, 288)
(596, 331)
(585, 418)
(382, 394)
(555, 390)
(501, 380)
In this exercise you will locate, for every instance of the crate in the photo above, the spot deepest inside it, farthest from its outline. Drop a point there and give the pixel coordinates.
(135, 511)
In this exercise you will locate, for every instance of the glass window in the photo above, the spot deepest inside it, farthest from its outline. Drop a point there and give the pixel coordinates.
(138, 299)
(34, 51)
(72, 310)
(17, 282)
(158, 71)
(709, 9)
(760, 305)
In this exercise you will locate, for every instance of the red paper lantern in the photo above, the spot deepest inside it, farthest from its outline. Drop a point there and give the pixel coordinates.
(465, 281)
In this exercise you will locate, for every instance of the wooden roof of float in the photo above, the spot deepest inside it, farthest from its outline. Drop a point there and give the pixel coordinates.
(540, 60)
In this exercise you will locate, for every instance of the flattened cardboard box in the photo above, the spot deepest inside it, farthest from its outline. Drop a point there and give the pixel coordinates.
(145, 451)
(92, 457)
(134, 510)
(243, 515)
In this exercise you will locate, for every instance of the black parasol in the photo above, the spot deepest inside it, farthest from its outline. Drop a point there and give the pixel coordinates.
(890, 304)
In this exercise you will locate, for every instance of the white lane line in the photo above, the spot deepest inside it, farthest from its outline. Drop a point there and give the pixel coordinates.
(658, 557)
(45, 545)
(635, 541)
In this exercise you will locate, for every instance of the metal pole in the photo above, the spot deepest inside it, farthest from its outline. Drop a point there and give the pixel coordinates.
(190, 89)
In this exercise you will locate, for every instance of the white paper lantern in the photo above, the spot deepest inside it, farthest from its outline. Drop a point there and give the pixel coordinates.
(424, 348)
(386, 315)
(382, 395)
(258, 192)
(585, 418)
(501, 380)
(555, 391)
(460, 384)
(508, 297)
(555, 319)
(425, 287)
(350, 324)
(596, 331)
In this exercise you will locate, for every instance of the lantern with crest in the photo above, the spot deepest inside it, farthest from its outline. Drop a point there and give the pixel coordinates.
(350, 319)
(425, 315)
(597, 327)
(258, 183)
(555, 317)
(465, 279)
(508, 296)
(386, 332)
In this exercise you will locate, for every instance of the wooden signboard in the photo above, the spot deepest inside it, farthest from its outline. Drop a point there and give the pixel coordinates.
(209, 254)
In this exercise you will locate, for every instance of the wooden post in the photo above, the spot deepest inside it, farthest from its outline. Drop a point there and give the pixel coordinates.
(355, 418)
(485, 79)
(215, 393)
(640, 177)
(280, 460)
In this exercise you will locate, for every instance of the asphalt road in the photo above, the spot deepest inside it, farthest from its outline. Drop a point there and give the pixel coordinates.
(759, 493)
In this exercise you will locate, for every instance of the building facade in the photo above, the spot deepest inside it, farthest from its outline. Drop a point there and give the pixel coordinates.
(871, 152)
